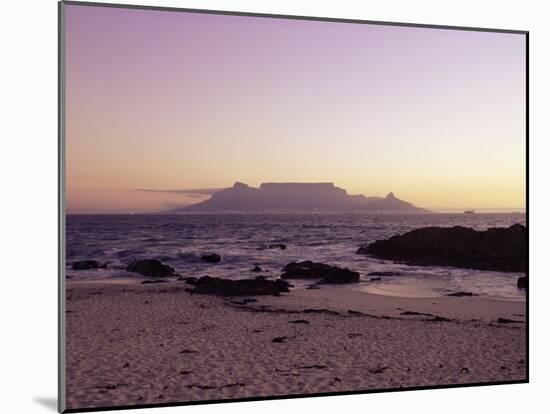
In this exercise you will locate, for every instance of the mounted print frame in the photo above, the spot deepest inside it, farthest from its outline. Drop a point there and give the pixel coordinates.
(257, 206)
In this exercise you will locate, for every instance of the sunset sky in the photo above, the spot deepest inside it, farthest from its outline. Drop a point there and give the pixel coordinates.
(166, 100)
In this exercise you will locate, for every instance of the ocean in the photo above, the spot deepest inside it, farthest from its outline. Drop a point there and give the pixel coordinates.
(180, 240)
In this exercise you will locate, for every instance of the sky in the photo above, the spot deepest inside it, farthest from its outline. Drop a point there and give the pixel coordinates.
(163, 100)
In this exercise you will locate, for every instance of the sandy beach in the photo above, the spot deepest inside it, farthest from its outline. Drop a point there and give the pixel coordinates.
(143, 344)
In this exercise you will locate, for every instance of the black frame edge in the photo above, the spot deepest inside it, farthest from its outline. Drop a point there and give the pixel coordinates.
(291, 396)
(527, 273)
(290, 16)
(61, 307)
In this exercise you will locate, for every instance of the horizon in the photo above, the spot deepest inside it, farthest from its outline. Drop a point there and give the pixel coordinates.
(161, 100)
(199, 195)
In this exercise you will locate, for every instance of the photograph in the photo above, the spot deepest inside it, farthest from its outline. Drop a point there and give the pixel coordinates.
(267, 206)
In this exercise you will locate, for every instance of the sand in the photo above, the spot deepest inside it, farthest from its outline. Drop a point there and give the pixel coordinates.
(146, 344)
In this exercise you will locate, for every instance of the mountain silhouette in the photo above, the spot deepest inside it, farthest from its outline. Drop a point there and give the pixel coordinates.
(302, 197)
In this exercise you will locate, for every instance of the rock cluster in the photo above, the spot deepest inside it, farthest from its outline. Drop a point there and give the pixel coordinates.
(502, 249)
(325, 273)
(245, 287)
(150, 267)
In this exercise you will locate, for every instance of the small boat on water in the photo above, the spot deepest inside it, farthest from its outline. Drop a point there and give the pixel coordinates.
(469, 212)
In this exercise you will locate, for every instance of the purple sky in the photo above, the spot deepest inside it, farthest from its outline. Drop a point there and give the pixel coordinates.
(179, 100)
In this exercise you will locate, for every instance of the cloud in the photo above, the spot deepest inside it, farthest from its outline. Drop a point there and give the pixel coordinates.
(192, 192)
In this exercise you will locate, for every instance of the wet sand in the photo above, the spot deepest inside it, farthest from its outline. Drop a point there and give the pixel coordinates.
(145, 344)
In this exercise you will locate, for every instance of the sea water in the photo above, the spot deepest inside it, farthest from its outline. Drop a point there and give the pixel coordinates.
(241, 240)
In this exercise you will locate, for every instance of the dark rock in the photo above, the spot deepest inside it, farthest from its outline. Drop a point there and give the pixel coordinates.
(149, 282)
(301, 321)
(312, 270)
(522, 282)
(388, 273)
(246, 287)
(461, 294)
(211, 258)
(378, 370)
(375, 279)
(503, 249)
(357, 313)
(244, 301)
(280, 339)
(126, 365)
(257, 269)
(505, 320)
(86, 265)
(150, 267)
(363, 249)
(190, 280)
(324, 311)
(416, 313)
(314, 286)
(249, 300)
(280, 246)
(201, 387)
(440, 319)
